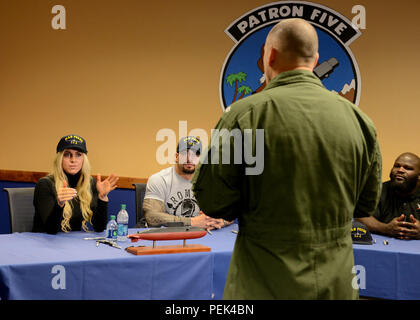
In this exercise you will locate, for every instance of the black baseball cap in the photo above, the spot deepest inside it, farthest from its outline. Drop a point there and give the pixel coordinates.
(360, 234)
(189, 143)
(72, 141)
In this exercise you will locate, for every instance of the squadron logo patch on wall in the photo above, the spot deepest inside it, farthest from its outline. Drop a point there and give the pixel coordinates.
(243, 74)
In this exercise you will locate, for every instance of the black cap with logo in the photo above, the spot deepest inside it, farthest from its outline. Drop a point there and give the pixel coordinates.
(189, 143)
(72, 141)
(360, 234)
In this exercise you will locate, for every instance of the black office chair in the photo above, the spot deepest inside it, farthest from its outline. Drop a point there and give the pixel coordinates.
(140, 193)
(21, 209)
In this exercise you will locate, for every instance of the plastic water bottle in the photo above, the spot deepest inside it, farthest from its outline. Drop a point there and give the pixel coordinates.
(122, 220)
(112, 229)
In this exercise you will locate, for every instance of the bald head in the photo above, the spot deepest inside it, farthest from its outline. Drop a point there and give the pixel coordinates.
(405, 174)
(291, 44)
(410, 158)
(296, 38)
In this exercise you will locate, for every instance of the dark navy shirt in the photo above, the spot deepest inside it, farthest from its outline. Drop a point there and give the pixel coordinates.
(392, 205)
(48, 214)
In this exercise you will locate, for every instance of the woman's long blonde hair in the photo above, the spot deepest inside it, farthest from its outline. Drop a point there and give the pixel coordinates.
(84, 192)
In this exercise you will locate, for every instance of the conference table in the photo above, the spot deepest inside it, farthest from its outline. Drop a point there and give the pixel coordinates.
(390, 268)
(65, 266)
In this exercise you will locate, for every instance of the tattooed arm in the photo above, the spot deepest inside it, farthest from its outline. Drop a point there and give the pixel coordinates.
(154, 211)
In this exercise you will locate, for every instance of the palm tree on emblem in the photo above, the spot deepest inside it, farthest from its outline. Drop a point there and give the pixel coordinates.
(243, 90)
(234, 78)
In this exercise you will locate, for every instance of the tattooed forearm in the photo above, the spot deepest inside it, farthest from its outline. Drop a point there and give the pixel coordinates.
(154, 212)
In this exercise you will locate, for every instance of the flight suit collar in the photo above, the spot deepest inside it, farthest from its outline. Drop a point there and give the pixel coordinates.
(294, 76)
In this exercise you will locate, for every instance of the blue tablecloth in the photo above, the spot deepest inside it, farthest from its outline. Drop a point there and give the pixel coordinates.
(29, 264)
(391, 270)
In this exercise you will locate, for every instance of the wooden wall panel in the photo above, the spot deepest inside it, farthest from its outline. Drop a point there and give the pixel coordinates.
(33, 176)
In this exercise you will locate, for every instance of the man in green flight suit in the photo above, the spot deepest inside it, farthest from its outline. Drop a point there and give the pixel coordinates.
(320, 161)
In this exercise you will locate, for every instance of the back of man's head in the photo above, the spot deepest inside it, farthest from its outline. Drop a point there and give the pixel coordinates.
(296, 42)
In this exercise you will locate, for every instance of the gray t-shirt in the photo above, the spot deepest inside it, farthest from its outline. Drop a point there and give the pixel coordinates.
(174, 191)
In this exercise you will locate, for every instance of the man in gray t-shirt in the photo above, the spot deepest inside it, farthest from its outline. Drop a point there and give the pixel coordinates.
(174, 191)
(169, 197)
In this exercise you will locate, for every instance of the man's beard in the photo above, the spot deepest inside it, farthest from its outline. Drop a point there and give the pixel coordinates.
(404, 187)
(188, 171)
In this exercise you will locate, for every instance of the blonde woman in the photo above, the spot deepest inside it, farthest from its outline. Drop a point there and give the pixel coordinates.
(69, 199)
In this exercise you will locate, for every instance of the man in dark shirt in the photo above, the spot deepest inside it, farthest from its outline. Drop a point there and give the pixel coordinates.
(398, 212)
